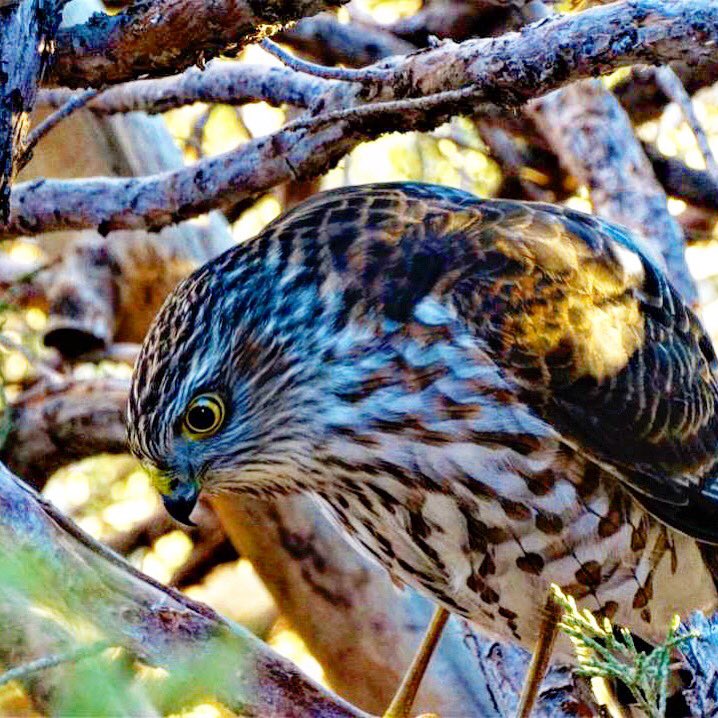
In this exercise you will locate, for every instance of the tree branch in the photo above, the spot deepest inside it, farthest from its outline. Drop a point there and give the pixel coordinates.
(162, 37)
(643, 99)
(50, 425)
(694, 186)
(508, 70)
(227, 83)
(671, 84)
(158, 624)
(26, 33)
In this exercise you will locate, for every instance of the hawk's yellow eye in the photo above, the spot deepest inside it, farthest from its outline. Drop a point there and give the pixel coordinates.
(204, 416)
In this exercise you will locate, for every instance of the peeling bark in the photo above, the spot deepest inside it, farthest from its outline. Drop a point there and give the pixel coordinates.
(161, 37)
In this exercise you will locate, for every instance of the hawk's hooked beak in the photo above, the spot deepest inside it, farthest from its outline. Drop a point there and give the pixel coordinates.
(182, 501)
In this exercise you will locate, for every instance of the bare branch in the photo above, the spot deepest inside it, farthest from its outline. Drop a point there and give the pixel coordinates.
(50, 425)
(226, 83)
(643, 99)
(694, 186)
(161, 37)
(368, 75)
(73, 103)
(671, 84)
(508, 70)
(42, 664)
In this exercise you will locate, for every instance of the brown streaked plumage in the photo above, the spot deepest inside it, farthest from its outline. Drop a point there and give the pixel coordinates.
(489, 396)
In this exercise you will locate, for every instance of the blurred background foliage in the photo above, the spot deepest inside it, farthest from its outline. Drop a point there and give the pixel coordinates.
(111, 496)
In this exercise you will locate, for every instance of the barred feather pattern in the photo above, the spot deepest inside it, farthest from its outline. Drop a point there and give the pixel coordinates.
(488, 397)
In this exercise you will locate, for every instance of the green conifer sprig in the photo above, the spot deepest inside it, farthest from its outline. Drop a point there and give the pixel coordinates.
(605, 653)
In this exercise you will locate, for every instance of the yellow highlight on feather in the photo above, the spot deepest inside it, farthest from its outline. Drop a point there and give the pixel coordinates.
(590, 310)
(160, 480)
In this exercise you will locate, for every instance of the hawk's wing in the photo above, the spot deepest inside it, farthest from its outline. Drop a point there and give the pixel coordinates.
(602, 347)
(590, 332)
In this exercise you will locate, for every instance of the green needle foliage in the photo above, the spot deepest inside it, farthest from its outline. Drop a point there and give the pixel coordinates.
(605, 653)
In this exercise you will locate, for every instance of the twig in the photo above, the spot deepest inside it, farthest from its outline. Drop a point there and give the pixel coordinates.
(196, 139)
(374, 109)
(74, 103)
(672, 86)
(343, 74)
(42, 664)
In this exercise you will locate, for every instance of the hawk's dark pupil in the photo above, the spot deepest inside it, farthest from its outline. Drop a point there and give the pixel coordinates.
(201, 418)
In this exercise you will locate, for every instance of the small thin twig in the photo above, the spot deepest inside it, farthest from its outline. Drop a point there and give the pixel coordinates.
(45, 371)
(74, 103)
(343, 74)
(196, 139)
(672, 86)
(427, 102)
(42, 664)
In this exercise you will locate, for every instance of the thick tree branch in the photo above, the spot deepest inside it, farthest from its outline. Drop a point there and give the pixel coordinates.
(162, 37)
(51, 425)
(159, 625)
(227, 83)
(26, 33)
(508, 70)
